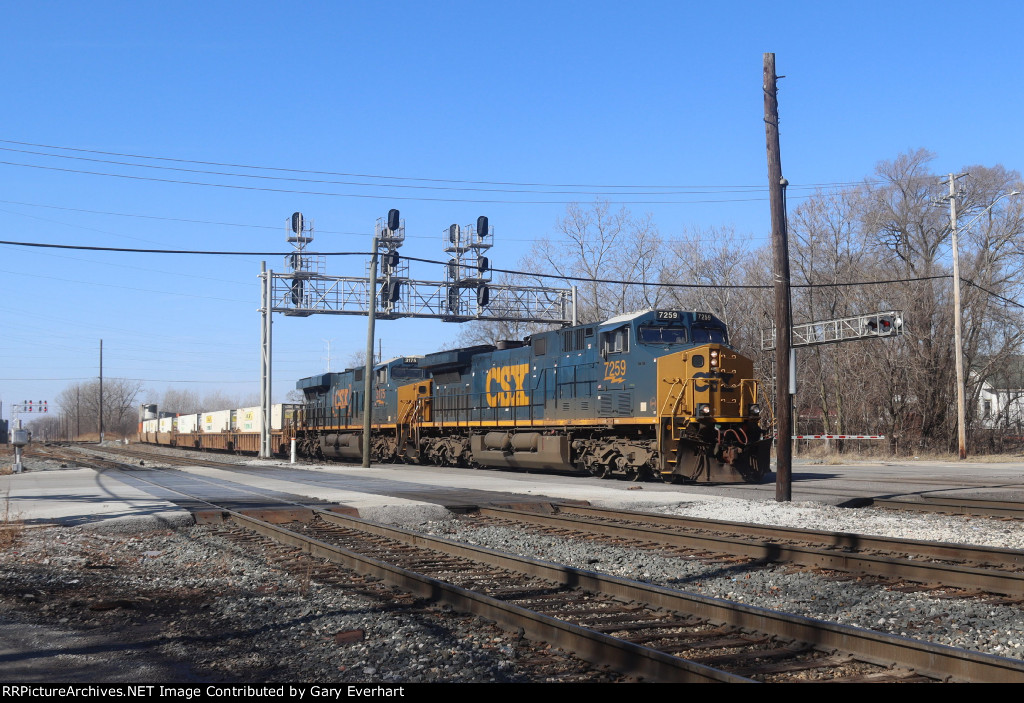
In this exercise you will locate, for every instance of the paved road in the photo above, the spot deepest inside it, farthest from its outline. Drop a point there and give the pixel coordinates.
(77, 495)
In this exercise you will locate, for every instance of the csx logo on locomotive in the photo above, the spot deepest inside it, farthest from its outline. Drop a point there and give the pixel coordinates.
(506, 386)
(341, 397)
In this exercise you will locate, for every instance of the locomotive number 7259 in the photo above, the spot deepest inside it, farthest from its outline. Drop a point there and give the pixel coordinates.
(615, 371)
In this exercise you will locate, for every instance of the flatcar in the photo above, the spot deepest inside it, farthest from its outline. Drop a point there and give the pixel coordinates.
(236, 430)
(658, 393)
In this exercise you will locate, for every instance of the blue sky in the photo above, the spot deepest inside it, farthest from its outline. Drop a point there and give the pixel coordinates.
(611, 94)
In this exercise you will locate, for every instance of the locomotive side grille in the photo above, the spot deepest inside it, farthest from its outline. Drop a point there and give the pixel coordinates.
(572, 340)
(615, 404)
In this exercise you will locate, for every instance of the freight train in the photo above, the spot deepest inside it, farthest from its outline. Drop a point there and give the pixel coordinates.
(654, 394)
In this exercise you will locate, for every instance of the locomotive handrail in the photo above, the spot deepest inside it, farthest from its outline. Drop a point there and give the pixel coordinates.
(744, 405)
(668, 399)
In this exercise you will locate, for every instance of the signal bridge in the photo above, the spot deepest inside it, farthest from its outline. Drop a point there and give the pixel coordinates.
(844, 329)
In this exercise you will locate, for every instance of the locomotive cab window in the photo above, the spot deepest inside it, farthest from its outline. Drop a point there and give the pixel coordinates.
(616, 341)
(661, 335)
(406, 373)
(709, 334)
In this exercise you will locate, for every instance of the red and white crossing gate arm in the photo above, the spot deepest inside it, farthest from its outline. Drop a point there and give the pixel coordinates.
(839, 436)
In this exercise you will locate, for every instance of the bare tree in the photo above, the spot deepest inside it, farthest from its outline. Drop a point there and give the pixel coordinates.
(82, 401)
(890, 229)
(181, 402)
(599, 246)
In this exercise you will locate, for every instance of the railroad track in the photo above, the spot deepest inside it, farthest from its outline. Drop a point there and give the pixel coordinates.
(638, 629)
(75, 453)
(933, 564)
(974, 507)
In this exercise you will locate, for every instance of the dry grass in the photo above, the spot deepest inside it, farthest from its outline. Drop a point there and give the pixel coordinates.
(879, 451)
(11, 526)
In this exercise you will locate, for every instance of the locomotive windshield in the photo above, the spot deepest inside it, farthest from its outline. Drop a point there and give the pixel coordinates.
(709, 334)
(661, 335)
(411, 373)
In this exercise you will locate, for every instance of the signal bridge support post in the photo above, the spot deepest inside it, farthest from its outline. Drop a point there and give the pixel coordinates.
(266, 278)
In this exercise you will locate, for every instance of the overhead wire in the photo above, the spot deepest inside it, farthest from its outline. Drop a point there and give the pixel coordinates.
(526, 274)
(232, 186)
(390, 177)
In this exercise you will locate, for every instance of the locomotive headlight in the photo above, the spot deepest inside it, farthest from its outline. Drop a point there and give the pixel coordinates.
(754, 410)
(714, 358)
(704, 410)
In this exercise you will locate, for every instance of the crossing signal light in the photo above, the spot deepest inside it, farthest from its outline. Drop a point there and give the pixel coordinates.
(883, 325)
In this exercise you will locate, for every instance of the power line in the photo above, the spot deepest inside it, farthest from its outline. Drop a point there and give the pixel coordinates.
(992, 294)
(400, 178)
(252, 226)
(688, 191)
(528, 274)
(365, 195)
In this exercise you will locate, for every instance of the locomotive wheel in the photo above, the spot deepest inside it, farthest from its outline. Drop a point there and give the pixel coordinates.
(639, 473)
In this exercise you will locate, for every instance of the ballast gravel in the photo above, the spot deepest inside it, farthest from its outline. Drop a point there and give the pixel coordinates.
(969, 623)
(128, 603)
(179, 606)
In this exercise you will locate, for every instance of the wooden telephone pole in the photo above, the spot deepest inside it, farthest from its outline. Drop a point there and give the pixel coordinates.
(780, 254)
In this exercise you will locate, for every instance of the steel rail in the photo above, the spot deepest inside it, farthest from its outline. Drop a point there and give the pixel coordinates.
(1007, 558)
(937, 661)
(956, 506)
(953, 575)
(596, 647)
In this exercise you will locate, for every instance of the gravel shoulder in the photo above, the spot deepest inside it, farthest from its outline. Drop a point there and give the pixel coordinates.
(127, 602)
(80, 605)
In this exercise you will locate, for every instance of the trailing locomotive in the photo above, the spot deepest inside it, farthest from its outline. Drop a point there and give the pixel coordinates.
(650, 394)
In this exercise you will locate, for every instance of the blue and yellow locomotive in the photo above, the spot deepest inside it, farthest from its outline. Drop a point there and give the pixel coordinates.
(650, 394)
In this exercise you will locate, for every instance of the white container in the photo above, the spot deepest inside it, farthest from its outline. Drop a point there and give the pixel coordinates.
(187, 423)
(282, 414)
(248, 419)
(216, 421)
(150, 426)
(166, 424)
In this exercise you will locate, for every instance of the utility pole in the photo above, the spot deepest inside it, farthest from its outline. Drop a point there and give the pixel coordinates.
(961, 401)
(101, 391)
(961, 386)
(780, 255)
